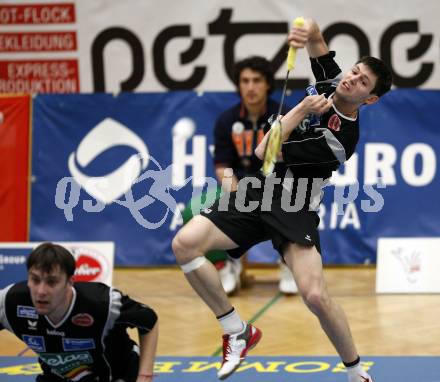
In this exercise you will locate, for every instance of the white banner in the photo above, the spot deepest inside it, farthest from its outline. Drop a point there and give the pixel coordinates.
(94, 260)
(408, 265)
(149, 46)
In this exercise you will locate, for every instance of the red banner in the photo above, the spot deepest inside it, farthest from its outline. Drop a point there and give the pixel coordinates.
(38, 41)
(45, 13)
(39, 76)
(14, 167)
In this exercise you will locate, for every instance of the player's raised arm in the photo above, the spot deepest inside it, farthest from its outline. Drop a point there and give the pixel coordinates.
(310, 37)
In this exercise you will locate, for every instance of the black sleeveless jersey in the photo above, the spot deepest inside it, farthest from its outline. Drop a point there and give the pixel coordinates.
(316, 148)
(90, 339)
(316, 151)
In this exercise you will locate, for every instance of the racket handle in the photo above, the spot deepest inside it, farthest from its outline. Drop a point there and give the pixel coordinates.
(291, 55)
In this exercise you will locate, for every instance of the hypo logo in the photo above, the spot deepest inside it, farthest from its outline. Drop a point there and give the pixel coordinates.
(158, 181)
(107, 134)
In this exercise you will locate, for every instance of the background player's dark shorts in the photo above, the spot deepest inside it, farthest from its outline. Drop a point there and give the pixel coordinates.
(250, 228)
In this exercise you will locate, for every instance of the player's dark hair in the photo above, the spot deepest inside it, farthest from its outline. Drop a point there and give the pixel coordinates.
(258, 64)
(382, 71)
(48, 256)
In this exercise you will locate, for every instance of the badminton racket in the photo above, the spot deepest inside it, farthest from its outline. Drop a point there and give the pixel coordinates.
(274, 140)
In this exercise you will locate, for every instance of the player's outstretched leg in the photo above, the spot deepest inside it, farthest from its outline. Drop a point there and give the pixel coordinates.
(190, 244)
(306, 265)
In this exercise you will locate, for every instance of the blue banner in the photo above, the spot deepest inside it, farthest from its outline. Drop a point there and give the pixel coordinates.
(12, 265)
(89, 150)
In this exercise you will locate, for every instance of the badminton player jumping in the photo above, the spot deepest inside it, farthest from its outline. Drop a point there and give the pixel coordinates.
(317, 136)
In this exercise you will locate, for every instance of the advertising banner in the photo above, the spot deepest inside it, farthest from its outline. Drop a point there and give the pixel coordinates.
(94, 261)
(258, 369)
(38, 47)
(14, 167)
(73, 46)
(121, 168)
(408, 265)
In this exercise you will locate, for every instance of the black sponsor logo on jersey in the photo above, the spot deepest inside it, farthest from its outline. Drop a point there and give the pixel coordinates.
(36, 343)
(27, 312)
(82, 319)
(74, 344)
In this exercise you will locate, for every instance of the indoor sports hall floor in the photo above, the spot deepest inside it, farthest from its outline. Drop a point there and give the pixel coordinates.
(397, 335)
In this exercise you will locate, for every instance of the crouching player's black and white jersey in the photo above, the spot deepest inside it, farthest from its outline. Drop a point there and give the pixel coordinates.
(92, 337)
(316, 151)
